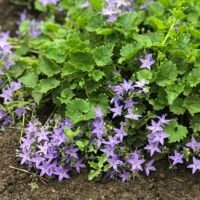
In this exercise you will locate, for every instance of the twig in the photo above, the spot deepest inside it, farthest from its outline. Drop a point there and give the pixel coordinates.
(27, 172)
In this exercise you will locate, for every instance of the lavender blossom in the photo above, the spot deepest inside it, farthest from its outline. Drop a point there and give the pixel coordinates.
(177, 158)
(193, 144)
(136, 162)
(149, 167)
(117, 110)
(34, 28)
(195, 166)
(147, 62)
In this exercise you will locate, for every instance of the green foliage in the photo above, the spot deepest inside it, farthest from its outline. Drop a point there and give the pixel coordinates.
(176, 132)
(75, 60)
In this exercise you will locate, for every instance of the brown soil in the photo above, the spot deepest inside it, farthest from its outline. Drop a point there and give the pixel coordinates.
(8, 16)
(162, 185)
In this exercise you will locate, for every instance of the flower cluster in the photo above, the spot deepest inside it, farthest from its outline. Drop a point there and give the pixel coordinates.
(50, 152)
(8, 91)
(114, 8)
(6, 54)
(124, 161)
(157, 136)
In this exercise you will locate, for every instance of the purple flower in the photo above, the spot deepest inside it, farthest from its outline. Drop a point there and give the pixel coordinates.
(99, 112)
(149, 167)
(31, 128)
(118, 89)
(115, 162)
(26, 143)
(140, 84)
(2, 114)
(7, 94)
(195, 166)
(193, 144)
(46, 168)
(79, 164)
(25, 155)
(130, 115)
(62, 173)
(43, 148)
(160, 137)
(117, 110)
(147, 62)
(46, 2)
(15, 85)
(72, 152)
(20, 111)
(38, 160)
(153, 147)
(99, 128)
(108, 150)
(34, 28)
(42, 135)
(136, 162)
(155, 127)
(22, 16)
(177, 158)
(120, 133)
(127, 85)
(112, 141)
(125, 176)
(163, 120)
(85, 5)
(129, 104)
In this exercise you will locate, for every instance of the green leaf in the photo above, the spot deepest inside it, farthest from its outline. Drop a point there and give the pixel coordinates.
(195, 123)
(82, 61)
(176, 132)
(66, 96)
(166, 74)
(97, 5)
(97, 75)
(70, 133)
(144, 75)
(192, 104)
(29, 79)
(56, 50)
(93, 173)
(68, 69)
(173, 91)
(48, 67)
(82, 144)
(37, 96)
(128, 51)
(45, 85)
(130, 21)
(177, 106)
(102, 159)
(79, 110)
(103, 55)
(193, 77)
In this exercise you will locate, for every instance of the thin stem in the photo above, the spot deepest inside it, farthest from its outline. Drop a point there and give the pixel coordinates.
(27, 172)
(50, 116)
(22, 129)
(170, 29)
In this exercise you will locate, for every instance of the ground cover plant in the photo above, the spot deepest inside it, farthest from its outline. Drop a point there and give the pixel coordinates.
(110, 86)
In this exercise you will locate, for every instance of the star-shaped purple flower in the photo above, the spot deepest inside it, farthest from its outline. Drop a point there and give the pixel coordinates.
(117, 110)
(149, 167)
(147, 62)
(195, 166)
(177, 158)
(193, 144)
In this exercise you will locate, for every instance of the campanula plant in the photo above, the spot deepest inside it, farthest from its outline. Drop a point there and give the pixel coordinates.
(123, 77)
